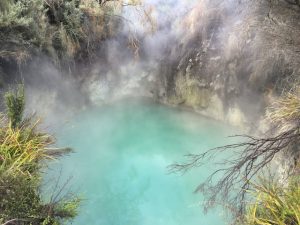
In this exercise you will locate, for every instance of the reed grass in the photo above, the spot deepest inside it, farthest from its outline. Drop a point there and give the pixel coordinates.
(21, 148)
(24, 151)
(274, 203)
(285, 111)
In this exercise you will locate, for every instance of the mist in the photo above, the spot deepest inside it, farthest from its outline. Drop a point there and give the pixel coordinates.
(216, 43)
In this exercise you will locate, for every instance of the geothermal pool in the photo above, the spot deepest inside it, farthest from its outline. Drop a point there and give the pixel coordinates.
(120, 159)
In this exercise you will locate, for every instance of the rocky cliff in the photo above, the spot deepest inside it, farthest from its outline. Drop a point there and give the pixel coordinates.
(232, 64)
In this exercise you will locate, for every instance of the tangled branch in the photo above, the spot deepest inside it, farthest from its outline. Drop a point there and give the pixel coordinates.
(253, 155)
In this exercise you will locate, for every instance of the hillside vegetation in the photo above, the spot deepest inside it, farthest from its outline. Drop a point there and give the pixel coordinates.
(64, 30)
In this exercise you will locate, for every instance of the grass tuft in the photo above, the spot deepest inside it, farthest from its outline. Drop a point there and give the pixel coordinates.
(274, 204)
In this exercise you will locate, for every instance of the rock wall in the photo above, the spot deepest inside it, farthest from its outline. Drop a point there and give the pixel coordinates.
(227, 67)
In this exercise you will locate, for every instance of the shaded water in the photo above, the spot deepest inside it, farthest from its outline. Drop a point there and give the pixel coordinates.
(119, 165)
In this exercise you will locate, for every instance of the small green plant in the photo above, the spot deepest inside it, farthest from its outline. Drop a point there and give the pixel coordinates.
(15, 102)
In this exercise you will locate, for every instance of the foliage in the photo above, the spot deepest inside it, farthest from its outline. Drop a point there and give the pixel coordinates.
(24, 151)
(19, 197)
(20, 200)
(69, 15)
(285, 111)
(65, 28)
(274, 204)
(19, 29)
(23, 148)
(15, 105)
(60, 28)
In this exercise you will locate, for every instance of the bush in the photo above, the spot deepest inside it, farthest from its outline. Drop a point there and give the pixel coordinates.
(63, 29)
(19, 197)
(24, 151)
(21, 201)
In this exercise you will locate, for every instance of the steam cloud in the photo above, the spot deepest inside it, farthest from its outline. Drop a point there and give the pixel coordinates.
(160, 38)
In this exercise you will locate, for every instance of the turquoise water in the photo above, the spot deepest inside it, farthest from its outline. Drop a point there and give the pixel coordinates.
(120, 159)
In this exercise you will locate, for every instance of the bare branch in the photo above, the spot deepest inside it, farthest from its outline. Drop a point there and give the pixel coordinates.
(254, 155)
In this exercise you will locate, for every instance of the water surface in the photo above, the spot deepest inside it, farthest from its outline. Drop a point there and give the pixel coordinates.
(119, 165)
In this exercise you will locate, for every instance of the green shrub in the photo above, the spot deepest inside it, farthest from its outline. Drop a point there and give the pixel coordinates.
(54, 27)
(19, 197)
(22, 29)
(24, 151)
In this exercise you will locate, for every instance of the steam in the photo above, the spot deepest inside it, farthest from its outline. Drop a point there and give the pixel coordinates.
(163, 33)
(51, 94)
(157, 40)
(151, 34)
